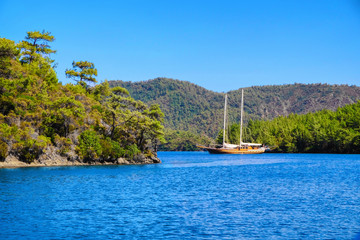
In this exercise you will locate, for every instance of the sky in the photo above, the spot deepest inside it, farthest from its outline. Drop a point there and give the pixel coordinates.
(220, 45)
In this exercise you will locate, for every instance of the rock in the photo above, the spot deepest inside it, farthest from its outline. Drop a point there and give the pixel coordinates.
(51, 157)
(122, 161)
(155, 160)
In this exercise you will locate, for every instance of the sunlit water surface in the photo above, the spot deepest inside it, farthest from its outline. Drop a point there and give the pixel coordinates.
(191, 195)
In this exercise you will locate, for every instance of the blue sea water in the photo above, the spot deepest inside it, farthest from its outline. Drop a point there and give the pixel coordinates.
(191, 195)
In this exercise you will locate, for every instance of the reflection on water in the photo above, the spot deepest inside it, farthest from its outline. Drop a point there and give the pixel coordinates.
(188, 196)
(224, 162)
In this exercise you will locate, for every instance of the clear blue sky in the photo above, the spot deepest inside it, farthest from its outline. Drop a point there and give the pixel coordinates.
(220, 45)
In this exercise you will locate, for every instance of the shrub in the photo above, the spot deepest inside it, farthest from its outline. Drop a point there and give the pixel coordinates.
(3, 150)
(132, 150)
(89, 147)
(97, 107)
(117, 150)
(6, 106)
(111, 150)
(7, 132)
(149, 153)
(53, 125)
(63, 144)
(30, 149)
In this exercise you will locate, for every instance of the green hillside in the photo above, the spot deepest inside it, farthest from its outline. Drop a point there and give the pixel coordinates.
(189, 107)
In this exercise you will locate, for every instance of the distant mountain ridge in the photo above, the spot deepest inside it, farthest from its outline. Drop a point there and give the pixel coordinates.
(190, 107)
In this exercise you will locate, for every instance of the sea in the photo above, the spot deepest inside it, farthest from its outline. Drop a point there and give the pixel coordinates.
(190, 195)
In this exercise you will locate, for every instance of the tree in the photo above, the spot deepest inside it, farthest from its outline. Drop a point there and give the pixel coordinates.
(89, 147)
(36, 45)
(67, 112)
(82, 73)
(151, 128)
(8, 55)
(38, 113)
(117, 101)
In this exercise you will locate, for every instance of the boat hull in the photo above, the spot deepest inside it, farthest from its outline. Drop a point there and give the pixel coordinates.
(234, 151)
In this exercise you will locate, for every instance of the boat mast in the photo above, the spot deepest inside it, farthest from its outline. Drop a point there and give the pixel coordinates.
(224, 119)
(241, 116)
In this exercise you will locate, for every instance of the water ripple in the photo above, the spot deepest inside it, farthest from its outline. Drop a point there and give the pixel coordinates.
(189, 196)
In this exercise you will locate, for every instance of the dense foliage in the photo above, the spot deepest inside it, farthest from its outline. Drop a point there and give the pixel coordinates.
(37, 113)
(189, 107)
(321, 132)
(184, 141)
(232, 134)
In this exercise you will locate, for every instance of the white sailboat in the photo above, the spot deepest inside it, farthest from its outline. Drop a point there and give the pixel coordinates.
(241, 148)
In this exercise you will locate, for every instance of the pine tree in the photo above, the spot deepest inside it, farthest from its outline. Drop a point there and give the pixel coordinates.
(83, 72)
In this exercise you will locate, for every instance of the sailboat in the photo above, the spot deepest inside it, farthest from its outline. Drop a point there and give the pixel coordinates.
(242, 148)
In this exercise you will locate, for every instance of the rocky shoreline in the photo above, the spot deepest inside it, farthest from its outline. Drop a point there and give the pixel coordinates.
(51, 158)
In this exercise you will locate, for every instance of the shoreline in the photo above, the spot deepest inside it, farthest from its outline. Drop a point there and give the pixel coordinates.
(59, 161)
(70, 165)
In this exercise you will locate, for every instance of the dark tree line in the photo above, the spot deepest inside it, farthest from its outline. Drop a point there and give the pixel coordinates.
(321, 132)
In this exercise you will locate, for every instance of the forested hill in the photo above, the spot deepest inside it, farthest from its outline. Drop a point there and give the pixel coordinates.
(186, 106)
(190, 107)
